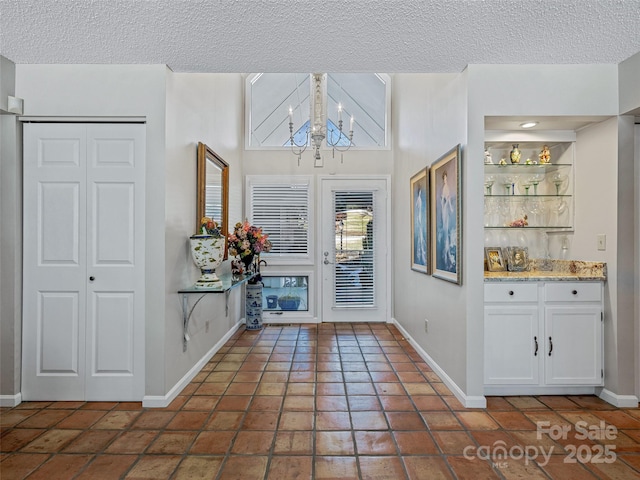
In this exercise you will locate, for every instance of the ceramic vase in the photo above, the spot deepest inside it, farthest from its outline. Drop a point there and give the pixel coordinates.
(248, 264)
(253, 306)
(515, 154)
(207, 252)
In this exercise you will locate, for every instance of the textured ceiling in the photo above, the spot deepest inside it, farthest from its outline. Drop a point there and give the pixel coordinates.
(326, 35)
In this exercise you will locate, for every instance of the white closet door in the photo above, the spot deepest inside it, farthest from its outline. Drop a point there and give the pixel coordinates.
(115, 257)
(83, 267)
(54, 262)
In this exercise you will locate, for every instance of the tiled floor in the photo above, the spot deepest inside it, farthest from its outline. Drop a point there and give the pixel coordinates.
(329, 401)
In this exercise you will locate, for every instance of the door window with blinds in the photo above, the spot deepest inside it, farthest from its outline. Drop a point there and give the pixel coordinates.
(354, 270)
(282, 207)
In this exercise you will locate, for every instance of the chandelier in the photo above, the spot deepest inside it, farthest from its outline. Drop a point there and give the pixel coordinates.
(317, 132)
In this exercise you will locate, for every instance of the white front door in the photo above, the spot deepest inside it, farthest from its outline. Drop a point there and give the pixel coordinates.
(355, 239)
(83, 266)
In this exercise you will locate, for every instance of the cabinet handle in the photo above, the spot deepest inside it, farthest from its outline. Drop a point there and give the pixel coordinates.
(91, 279)
(575, 292)
(550, 346)
(535, 339)
(511, 292)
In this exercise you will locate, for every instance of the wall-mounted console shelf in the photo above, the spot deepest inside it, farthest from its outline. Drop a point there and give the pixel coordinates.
(228, 282)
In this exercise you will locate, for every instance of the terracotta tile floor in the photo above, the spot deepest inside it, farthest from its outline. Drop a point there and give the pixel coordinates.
(329, 401)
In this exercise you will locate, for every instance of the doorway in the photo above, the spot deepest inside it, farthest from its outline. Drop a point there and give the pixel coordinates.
(355, 244)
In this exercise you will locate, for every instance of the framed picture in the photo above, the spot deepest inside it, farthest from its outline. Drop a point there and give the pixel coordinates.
(445, 216)
(517, 259)
(419, 188)
(495, 259)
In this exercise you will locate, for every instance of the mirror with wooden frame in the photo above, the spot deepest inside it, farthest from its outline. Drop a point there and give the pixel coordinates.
(213, 190)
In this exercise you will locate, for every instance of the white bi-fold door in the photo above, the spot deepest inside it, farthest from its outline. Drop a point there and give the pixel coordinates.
(83, 266)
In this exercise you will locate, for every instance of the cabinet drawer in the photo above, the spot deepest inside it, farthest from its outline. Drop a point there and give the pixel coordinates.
(510, 292)
(573, 292)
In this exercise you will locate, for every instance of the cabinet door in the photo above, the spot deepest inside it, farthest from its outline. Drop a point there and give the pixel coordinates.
(512, 345)
(573, 345)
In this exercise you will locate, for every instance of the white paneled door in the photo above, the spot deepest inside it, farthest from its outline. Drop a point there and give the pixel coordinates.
(83, 266)
(355, 250)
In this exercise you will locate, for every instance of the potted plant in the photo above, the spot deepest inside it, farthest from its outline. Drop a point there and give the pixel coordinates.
(290, 301)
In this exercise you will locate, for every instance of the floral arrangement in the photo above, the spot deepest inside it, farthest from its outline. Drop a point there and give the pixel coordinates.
(520, 222)
(248, 240)
(209, 227)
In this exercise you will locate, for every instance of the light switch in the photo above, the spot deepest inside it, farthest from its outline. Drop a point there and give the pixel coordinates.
(602, 241)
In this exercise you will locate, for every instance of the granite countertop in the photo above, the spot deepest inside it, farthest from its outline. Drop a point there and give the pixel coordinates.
(561, 270)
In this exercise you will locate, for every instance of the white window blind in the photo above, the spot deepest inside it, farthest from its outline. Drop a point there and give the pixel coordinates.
(354, 242)
(282, 210)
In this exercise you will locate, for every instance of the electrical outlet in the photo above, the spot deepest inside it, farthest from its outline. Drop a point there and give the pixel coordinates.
(426, 325)
(602, 241)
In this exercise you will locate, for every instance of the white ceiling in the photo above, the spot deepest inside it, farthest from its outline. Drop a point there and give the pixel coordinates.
(327, 35)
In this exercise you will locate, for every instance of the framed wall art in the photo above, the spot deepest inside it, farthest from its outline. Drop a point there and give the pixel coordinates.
(445, 216)
(419, 188)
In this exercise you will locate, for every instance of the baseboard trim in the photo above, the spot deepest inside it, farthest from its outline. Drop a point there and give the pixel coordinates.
(161, 401)
(10, 400)
(621, 401)
(511, 390)
(469, 401)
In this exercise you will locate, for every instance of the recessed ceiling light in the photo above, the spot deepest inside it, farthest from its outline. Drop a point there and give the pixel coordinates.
(528, 124)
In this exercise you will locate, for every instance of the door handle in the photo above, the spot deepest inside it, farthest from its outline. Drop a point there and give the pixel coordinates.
(327, 262)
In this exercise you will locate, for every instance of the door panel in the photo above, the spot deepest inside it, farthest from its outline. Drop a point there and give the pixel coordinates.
(512, 345)
(573, 338)
(57, 334)
(58, 223)
(54, 262)
(114, 213)
(113, 334)
(115, 234)
(354, 232)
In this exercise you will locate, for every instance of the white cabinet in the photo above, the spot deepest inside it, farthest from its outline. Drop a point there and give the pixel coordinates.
(542, 337)
(511, 342)
(573, 332)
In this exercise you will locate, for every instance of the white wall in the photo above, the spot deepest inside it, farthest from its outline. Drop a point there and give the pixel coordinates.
(629, 78)
(596, 192)
(575, 90)
(203, 108)
(117, 91)
(10, 241)
(284, 163)
(429, 112)
(636, 176)
(626, 244)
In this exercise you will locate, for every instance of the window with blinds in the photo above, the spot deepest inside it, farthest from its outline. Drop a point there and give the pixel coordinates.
(281, 207)
(354, 247)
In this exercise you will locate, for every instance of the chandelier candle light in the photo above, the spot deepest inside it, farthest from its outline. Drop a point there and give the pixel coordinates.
(318, 131)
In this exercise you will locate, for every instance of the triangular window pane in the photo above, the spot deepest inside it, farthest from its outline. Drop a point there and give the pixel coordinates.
(300, 137)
